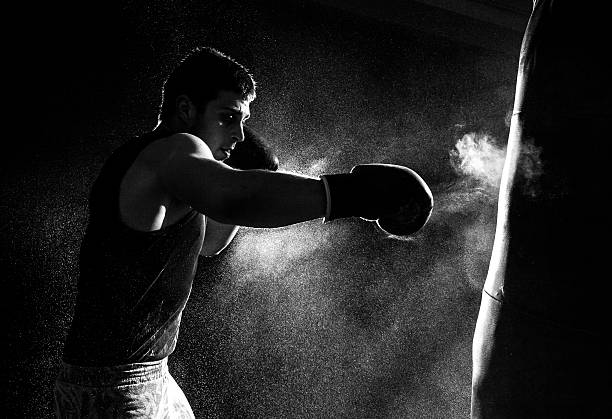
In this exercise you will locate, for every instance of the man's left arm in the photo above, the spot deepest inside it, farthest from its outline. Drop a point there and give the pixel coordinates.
(252, 153)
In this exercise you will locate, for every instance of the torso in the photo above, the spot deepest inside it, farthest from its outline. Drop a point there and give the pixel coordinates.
(136, 265)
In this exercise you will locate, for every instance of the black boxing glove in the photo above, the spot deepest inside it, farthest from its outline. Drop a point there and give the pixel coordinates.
(394, 196)
(252, 153)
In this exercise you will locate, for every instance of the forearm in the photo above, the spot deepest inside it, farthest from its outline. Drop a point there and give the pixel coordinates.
(259, 198)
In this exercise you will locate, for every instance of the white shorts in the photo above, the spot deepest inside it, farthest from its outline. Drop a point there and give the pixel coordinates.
(140, 390)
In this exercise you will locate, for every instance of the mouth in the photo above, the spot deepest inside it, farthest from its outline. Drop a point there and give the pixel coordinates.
(227, 151)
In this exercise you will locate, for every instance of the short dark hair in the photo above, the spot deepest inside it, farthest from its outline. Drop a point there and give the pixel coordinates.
(200, 75)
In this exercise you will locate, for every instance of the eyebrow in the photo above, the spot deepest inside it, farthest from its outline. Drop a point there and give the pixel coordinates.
(236, 110)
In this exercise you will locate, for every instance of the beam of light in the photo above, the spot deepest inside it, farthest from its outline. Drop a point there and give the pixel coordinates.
(262, 254)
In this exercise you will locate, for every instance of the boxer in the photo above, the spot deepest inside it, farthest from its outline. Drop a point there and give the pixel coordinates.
(166, 197)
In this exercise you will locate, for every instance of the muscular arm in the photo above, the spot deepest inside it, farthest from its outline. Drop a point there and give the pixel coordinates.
(254, 198)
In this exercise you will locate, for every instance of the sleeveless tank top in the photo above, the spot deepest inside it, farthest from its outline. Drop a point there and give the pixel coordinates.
(133, 286)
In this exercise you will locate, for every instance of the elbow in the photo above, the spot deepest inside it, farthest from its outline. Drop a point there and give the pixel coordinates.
(208, 253)
(214, 248)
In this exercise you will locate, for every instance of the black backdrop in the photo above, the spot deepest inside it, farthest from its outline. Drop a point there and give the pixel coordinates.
(313, 320)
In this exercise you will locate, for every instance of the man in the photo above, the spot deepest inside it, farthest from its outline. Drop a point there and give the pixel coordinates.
(151, 214)
(539, 349)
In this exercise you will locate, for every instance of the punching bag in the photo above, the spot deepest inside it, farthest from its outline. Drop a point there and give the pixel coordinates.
(539, 347)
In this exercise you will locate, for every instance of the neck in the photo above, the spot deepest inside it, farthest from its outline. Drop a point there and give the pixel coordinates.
(172, 126)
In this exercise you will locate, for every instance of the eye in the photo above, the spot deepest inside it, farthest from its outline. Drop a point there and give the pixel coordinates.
(227, 118)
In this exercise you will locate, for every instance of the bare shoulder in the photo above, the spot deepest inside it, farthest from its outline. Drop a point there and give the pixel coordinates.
(145, 202)
(175, 146)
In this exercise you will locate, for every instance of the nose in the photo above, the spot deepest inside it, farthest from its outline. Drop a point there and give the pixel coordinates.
(239, 134)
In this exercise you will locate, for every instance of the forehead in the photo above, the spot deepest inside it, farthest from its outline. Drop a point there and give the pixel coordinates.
(231, 101)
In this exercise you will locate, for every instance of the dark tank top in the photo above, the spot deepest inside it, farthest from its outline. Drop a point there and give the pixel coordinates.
(133, 286)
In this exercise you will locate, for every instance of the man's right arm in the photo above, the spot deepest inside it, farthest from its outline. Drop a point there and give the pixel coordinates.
(253, 198)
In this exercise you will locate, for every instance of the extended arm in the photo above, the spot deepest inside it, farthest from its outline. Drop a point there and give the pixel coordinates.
(254, 198)
(395, 196)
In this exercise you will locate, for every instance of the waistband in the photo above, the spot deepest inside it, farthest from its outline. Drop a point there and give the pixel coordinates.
(116, 375)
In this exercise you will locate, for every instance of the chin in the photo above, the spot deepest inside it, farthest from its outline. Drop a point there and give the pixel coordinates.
(220, 156)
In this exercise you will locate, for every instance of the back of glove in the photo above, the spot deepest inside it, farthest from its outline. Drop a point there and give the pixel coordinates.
(252, 153)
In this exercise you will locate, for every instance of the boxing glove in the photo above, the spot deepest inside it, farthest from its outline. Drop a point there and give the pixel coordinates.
(252, 153)
(396, 197)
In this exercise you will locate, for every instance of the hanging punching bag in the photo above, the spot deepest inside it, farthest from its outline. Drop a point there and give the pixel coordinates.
(539, 347)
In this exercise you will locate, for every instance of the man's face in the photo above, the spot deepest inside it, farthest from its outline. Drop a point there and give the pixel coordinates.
(220, 126)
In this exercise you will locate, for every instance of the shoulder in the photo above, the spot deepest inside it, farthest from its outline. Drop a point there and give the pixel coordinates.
(178, 145)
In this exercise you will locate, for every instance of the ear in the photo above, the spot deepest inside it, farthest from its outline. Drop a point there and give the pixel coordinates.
(185, 109)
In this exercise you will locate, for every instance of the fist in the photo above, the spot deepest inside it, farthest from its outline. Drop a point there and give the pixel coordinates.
(408, 219)
(414, 197)
(396, 197)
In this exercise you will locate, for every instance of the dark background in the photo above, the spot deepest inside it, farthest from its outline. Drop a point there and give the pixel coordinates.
(312, 320)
